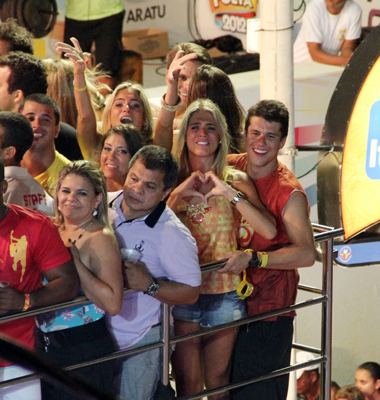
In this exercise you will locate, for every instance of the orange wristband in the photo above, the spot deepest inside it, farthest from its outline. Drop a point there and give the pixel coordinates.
(27, 302)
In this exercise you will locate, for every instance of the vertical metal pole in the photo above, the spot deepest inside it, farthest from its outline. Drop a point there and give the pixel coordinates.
(327, 319)
(165, 351)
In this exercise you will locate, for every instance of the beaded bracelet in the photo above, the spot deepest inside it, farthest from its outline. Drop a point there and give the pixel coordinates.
(27, 302)
(170, 108)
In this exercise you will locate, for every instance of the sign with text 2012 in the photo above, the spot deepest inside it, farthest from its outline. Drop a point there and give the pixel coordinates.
(232, 15)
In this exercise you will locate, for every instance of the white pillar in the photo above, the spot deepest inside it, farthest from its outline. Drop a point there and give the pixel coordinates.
(276, 61)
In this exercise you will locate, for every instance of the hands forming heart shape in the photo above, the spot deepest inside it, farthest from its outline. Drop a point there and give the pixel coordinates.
(197, 183)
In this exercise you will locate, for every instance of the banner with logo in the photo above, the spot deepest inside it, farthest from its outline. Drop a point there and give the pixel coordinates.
(231, 15)
(360, 184)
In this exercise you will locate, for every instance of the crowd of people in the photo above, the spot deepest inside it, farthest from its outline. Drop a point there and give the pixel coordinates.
(367, 381)
(194, 181)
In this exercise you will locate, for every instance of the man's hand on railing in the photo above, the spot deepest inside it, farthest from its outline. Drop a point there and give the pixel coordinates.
(237, 262)
(11, 300)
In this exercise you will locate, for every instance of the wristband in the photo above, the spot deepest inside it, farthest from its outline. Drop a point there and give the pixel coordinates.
(245, 288)
(80, 89)
(170, 108)
(238, 197)
(264, 259)
(27, 302)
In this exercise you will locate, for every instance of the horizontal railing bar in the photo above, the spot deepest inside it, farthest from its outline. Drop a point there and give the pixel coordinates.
(206, 331)
(310, 289)
(323, 236)
(273, 374)
(310, 349)
(321, 228)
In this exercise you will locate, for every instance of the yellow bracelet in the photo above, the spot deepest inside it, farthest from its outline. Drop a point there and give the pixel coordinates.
(80, 89)
(244, 288)
(264, 259)
(27, 302)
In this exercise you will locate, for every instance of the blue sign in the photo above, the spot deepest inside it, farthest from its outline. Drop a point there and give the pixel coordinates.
(372, 164)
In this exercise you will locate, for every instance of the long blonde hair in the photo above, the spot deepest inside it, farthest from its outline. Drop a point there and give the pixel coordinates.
(147, 129)
(181, 150)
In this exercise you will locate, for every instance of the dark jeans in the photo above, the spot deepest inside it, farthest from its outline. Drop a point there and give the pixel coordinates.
(262, 347)
(72, 346)
(105, 32)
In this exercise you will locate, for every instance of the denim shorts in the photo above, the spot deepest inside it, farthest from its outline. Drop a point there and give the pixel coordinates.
(212, 309)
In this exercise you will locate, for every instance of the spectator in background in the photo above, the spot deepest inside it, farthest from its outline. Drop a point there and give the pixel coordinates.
(98, 22)
(349, 393)
(308, 384)
(42, 160)
(16, 137)
(182, 62)
(328, 33)
(334, 389)
(14, 37)
(22, 74)
(367, 380)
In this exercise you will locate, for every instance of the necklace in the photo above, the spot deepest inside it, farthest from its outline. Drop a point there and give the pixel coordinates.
(84, 230)
(196, 212)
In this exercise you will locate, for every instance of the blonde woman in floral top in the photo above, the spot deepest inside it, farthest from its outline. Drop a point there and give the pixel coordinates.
(209, 201)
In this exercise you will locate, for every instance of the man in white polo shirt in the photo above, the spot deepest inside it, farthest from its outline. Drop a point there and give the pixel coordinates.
(168, 270)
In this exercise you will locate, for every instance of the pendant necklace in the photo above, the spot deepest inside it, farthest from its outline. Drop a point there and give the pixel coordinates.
(84, 230)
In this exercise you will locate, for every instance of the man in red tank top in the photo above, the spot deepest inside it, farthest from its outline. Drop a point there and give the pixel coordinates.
(271, 265)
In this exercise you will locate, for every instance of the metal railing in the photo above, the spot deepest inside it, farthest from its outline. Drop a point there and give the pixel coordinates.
(325, 236)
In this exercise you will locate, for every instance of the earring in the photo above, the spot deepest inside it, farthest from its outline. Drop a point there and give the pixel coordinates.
(95, 212)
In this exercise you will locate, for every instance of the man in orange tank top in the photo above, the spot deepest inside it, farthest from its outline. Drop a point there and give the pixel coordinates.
(271, 265)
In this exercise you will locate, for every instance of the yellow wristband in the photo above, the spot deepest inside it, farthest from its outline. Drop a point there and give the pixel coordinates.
(80, 89)
(27, 302)
(264, 259)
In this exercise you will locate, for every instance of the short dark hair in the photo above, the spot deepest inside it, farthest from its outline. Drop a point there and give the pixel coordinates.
(131, 135)
(18, 132)
(203, 56)
(17, 37)
(27, 73)
(373, 368)
(271, 111)
(45, 100)
(157, 158)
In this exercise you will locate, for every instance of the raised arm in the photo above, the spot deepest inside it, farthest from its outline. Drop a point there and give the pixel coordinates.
(88, 137)
(99, 267)
(163, 135)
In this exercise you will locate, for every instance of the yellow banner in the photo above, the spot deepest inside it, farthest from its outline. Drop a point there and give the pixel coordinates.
(360, 180)
(228, 6)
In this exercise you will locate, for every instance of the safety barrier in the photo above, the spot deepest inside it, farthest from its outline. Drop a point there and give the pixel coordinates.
(325, 236)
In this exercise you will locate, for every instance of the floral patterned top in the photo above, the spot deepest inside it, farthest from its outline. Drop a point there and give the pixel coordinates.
(69, 317)
(214, 226)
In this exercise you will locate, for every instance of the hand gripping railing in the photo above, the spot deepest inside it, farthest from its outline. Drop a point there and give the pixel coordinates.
(326, 236)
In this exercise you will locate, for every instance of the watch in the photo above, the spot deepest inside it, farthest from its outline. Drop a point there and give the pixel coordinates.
(153, 288)
(254, 262)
